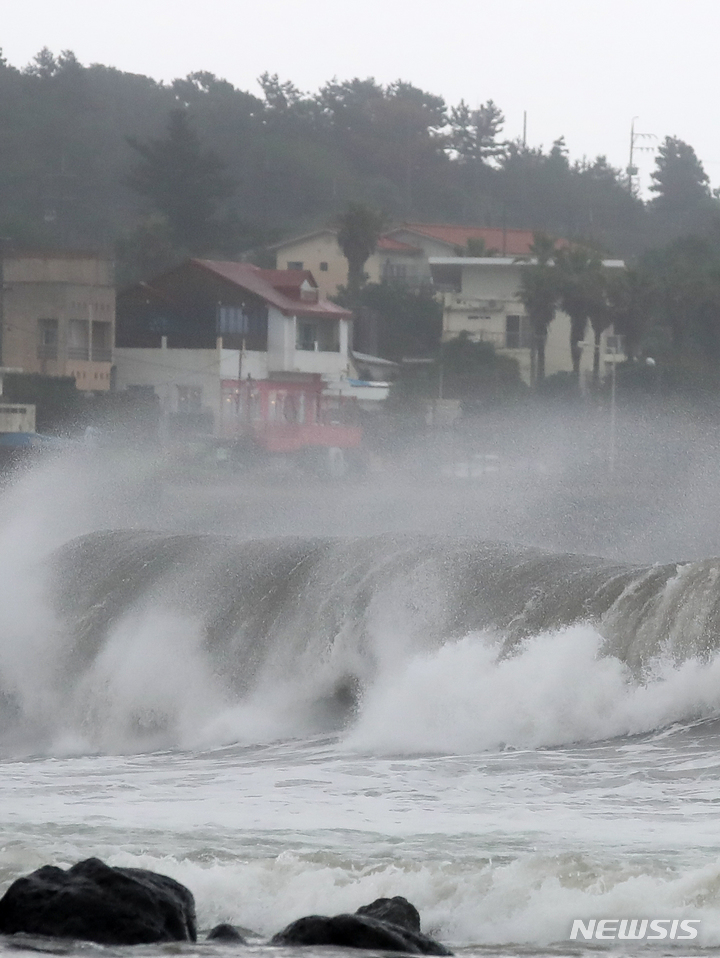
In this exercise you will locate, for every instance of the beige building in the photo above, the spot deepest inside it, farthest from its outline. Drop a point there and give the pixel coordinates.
(481, 297)
(58, 315)
(402, 253)
(320, 253)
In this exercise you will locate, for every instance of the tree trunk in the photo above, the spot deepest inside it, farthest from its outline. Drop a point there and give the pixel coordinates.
(577, 335)
(355, 278)
(540, 372)
(596, 359)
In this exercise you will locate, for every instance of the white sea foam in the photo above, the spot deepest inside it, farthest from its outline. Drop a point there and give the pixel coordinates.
(556, 689)
(530, 900)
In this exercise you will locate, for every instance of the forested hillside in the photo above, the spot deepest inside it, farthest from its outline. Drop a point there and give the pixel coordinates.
(92, 156)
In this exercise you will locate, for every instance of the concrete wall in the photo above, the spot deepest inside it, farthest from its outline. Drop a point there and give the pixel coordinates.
(281, 341)
(75, 291)
(234, 365)
(167, 369)
(79, 269)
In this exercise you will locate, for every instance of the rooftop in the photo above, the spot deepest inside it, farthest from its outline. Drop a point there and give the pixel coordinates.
(505, 241)
(282, 288)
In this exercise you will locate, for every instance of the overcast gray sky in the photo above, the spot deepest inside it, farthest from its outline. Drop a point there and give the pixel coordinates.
(579, 68)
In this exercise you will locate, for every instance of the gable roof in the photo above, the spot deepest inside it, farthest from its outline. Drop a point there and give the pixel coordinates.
(385, 242)
(327, 230)
(278, 287)
(507, 242)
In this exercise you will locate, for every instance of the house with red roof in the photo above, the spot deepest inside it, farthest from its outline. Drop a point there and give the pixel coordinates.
(444, 239)
(402, 253)
(320, 253)
(196, 334)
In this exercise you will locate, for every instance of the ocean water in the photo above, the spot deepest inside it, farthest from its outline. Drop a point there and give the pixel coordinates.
(512, 737)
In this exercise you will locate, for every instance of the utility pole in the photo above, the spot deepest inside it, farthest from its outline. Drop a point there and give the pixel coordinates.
(632, 170)
(3, 249)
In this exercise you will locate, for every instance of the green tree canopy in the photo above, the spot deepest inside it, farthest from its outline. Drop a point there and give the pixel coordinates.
(475, 133)
(408, 322)
(683, 200)
(359, 230)
(679, 179)
(539, 292)
(581, 288)
(183, 181)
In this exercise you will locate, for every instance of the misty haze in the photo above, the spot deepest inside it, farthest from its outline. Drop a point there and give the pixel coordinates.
(359, 514)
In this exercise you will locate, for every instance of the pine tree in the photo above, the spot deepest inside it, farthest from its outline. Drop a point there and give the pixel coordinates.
(680, 183)
(184, 182)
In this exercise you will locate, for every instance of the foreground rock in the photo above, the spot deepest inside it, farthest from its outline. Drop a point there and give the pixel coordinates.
(226, 932)
(397, 910)
(96, 902)
(358, 931)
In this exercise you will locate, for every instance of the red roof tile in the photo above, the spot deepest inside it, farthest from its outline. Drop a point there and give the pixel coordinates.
(279, 287)
(509, 242)
(388, 243)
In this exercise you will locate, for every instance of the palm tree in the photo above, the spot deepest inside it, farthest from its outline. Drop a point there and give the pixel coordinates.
(539, 295)
(631, 295)
(359, 230)
(582, 288)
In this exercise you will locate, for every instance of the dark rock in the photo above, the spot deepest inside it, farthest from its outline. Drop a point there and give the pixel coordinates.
(357, 931)
(226, 932)
(96, 902)
(397, 910)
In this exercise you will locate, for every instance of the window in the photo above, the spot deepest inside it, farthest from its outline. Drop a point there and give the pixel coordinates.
(295, 264)
(78, 339)
(232, 320)
(47, 339)
(396, 271)
(323, 267)
(307, 336)
(101, 342)
(517, 332)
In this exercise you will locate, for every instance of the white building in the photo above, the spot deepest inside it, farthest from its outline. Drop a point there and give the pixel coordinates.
(480, 297)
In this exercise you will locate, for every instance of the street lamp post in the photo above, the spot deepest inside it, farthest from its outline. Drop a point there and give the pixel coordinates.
(611, 462)
(612, 348)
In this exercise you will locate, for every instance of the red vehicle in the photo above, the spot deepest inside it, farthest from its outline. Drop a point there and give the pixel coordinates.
(290, 416)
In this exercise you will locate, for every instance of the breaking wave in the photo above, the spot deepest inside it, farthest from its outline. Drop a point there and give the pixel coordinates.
(136, 641)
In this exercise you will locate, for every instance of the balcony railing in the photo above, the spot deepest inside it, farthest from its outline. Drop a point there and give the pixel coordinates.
(78, 352)
(98, 354)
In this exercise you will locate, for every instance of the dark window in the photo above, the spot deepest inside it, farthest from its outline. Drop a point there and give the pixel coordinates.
(397, 271)
(232, 320)
(307, 336)
(161, 323)
(47, 339)
(323, 267)
(295, 264)
(517, 332)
